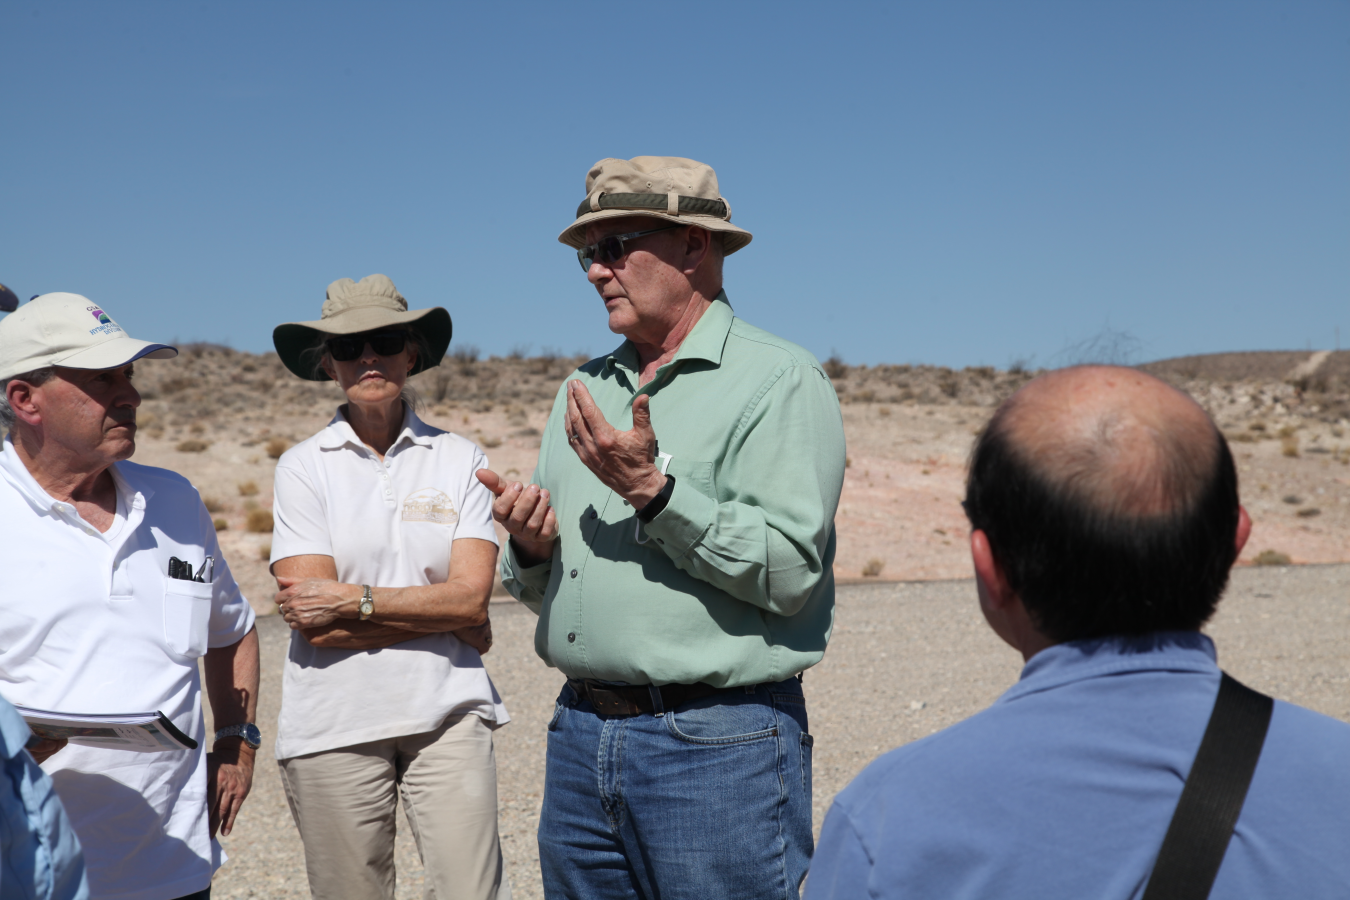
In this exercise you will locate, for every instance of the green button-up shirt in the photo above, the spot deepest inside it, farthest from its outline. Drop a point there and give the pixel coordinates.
(732, 583)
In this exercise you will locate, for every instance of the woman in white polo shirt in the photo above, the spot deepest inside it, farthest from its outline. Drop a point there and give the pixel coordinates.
(385, 553)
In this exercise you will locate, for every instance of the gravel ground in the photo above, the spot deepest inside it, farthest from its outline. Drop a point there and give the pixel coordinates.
(906, 660)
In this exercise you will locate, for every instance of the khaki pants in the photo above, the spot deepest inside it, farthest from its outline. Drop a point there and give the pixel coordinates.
(343, 802)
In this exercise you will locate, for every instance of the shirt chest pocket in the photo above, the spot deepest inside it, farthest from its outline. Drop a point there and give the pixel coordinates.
(187, 616)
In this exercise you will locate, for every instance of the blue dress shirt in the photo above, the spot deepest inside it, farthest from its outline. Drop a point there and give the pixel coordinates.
(1064, 788)
(40, 857)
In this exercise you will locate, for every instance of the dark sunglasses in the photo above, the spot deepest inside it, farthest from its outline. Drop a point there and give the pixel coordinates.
(609, 250)
(350, 346)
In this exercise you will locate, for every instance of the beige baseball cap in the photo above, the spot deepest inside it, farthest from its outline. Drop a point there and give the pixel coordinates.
(68, 330)
(664, 187)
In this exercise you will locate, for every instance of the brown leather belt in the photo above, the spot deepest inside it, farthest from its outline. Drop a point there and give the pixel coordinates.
(632, 700)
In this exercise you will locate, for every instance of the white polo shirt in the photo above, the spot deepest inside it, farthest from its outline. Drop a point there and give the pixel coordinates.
(91, 623)
(386, 523)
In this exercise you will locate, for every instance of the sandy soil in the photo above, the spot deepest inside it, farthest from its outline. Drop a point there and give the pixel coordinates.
(905, 660)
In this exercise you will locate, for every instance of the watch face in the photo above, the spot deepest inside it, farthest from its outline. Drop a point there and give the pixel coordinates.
(252, 735)
(367, 607)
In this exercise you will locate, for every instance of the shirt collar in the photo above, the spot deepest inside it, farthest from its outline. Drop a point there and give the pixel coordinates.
(1061, 664)
(705, 342)
(17, 474)
(340, 433)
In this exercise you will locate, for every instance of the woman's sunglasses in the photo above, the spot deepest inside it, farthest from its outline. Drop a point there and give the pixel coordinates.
(610, 250)
(350, 346)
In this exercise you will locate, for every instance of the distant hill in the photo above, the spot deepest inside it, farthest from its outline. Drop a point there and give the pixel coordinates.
(1255, 365)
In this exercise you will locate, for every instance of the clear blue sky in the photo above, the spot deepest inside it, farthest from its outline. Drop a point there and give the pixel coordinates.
(954, 183)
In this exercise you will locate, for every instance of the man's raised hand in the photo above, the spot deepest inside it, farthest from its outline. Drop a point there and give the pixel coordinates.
(624, 461)
(524, 512)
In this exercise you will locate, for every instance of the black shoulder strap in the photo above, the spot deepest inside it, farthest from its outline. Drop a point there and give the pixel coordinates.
(1212, 798)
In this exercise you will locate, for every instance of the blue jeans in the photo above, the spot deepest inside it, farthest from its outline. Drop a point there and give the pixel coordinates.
(709, 800)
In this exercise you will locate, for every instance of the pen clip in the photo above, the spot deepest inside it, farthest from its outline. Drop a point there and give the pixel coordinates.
(209, 561)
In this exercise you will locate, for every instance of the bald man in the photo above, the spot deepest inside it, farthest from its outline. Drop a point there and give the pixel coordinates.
(1104, 520)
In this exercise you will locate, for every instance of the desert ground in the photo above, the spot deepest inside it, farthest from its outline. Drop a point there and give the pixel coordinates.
(910, 653)
(220, 417)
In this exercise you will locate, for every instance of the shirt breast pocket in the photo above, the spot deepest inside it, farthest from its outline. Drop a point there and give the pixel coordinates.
(187, 616)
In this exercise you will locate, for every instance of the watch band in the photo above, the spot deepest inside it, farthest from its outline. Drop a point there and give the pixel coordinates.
(658, 503)
(248, 731)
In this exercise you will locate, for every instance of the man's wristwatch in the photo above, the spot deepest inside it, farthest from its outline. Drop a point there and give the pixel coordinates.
(248, 731)
(367, 602)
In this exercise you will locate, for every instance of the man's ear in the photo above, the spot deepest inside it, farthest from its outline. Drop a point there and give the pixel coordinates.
(20, 395)
(1244, 529)
(987, 570)
(697, 246)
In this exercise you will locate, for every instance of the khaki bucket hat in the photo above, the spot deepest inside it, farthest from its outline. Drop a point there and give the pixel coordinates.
(664, 187)
(356, 306)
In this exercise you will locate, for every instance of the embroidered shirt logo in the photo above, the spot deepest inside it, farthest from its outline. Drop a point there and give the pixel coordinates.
(429, 505)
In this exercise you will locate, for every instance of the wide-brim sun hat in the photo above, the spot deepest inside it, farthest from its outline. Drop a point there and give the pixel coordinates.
(71, 331)
(663, 187)
(352, 307)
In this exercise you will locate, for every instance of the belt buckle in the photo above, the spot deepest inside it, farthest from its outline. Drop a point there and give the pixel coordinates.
(610, 703)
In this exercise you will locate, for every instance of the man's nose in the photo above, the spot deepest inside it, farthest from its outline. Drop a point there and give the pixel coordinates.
(598, 272)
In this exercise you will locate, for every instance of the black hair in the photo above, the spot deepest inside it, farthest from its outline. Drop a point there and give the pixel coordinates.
(1083, 571)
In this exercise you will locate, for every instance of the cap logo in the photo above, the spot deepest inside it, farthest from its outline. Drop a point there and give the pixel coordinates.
(105, 324)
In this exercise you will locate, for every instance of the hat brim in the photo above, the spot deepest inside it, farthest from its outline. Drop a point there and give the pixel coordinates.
(733, 237)
(115, 353)
(292, 339)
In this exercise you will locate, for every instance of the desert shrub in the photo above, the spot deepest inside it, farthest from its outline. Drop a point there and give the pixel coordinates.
(489, 442)
(221, 524)
(1289, 445)
(259, 521)
(265, 552)
(873, 568)
(835, 367)
(193, 445)
(277, 446)
(248, 488)
(1272, 558)
(1308, 512)
(212, 504)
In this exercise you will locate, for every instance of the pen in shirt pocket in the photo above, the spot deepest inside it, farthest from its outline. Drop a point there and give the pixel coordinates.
(181, 570)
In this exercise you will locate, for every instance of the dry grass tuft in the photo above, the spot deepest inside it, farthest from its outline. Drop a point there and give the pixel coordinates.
(259, 521)
(1272, 558)
(248, 488)
(873, 568)
(193, 445)
(277, 446)
(1308, 513)
(489, 442)
(213, 505)
(1289, 445)
(265, 552)
(221, 525)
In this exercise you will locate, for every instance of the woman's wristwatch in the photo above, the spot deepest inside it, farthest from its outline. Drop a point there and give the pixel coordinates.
(367, 602)
(248, 731)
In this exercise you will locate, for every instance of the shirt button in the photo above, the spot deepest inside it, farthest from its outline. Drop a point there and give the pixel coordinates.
(660, 541)
(574, 573)
(592, 514)
(625, 503)
(571, 637)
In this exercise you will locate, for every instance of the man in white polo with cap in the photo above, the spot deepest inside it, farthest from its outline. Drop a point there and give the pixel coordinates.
(677, 542)
(99, 614)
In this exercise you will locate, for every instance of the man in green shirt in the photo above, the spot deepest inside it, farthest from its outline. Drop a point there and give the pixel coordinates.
(677, 542)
